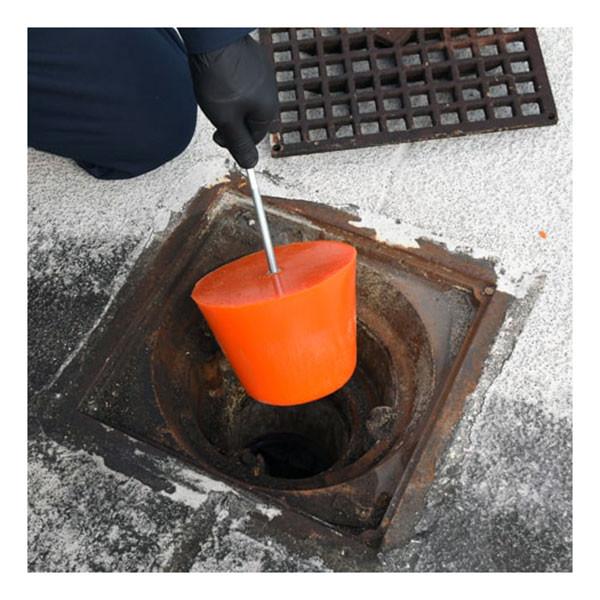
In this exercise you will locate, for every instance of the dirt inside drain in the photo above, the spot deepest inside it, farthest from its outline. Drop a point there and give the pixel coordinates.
(355, 460)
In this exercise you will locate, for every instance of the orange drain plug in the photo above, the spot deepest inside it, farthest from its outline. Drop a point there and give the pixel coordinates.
(289, 336)
(289, 332)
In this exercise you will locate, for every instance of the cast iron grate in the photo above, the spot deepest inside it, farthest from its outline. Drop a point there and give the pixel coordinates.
(348, 88)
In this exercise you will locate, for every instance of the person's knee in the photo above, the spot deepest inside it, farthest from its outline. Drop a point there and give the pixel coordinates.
(121, 105)
(149, 138)
(159, 135)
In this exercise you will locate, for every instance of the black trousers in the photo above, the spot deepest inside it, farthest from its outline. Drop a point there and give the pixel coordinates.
(118, 101)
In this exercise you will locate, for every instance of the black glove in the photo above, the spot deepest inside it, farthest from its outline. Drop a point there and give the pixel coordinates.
(235, 88)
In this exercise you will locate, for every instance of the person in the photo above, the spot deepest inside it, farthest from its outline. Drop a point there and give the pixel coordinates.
(123, 101)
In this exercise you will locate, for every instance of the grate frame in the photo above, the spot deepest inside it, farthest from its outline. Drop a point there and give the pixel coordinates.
(113, 381)
(350, 88)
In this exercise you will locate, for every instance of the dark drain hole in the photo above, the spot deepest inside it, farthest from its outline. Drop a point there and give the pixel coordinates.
(289, 455)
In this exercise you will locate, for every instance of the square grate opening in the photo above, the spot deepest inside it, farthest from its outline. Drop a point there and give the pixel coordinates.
(347, 88)
(350, 464)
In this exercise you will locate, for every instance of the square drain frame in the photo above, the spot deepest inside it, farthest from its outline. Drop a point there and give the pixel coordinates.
(115, 383)
(349, 88)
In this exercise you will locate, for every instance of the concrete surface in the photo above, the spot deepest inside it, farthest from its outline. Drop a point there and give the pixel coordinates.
(502, 497)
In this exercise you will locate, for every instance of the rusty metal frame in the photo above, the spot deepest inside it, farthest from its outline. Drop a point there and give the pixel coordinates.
(343, 88)
(150, 281)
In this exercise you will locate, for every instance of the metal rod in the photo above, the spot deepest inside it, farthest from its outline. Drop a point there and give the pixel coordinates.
(262, 222)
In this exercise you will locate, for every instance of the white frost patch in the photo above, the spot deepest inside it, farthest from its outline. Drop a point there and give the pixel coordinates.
(203, 483)
(185, 495)
(268, 511)
(517, 285)
(161, 220)
(192, 488)
(511, 278)
(222, 514)
(195, 497)
(388, 230)
(113, 534)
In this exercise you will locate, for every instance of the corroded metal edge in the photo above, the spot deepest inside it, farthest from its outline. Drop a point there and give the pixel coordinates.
(62, 421)
(409, 500)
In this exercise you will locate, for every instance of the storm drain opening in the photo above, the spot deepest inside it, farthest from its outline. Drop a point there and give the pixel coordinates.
(274, 442)
(298, 447)
(288, 455)
(347, 88)
(356, 460)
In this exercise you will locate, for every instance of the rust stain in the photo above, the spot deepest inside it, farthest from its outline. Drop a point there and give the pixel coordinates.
(375, 444)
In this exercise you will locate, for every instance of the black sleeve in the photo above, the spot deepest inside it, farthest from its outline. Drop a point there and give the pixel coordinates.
(206, 39)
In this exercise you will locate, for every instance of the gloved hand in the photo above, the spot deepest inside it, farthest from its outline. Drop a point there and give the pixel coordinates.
(235, 88)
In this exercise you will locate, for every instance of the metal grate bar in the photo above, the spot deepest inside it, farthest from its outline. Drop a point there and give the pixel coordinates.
(348, 88)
